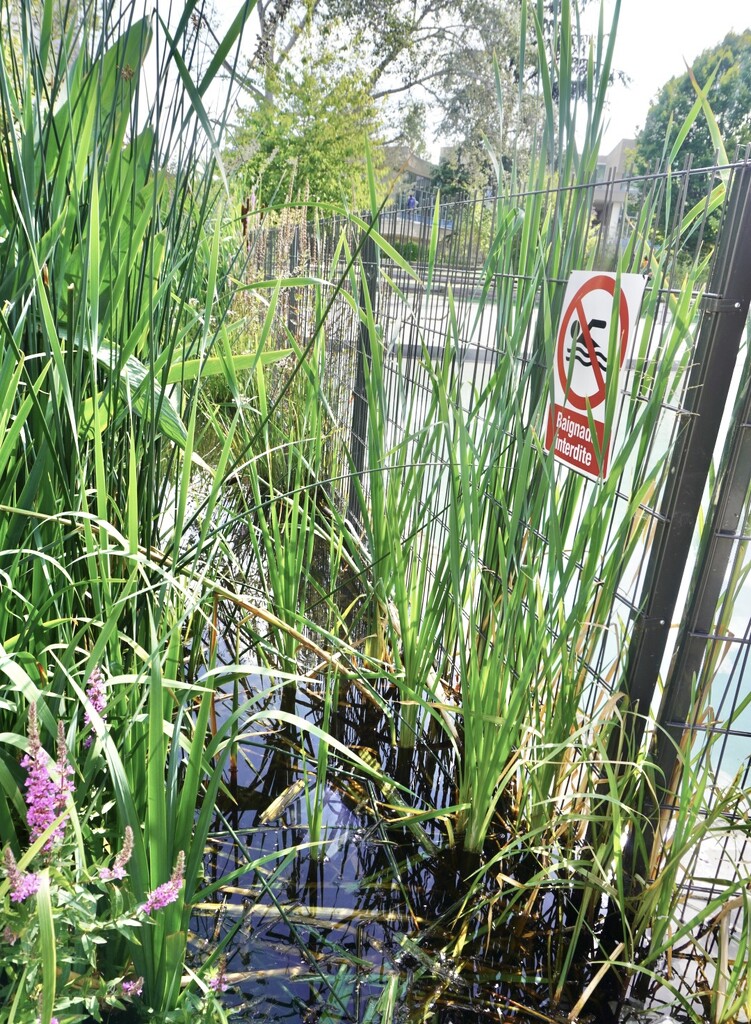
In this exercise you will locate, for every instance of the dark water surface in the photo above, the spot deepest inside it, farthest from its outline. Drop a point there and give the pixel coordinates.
(380, 926)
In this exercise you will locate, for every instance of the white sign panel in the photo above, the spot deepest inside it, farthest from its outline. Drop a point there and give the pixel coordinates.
(582, 369)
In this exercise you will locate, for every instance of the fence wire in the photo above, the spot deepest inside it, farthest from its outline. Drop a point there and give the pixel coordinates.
(456, 318)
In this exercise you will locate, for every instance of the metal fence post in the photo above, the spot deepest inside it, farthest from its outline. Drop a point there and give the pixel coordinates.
(724, 313)
(720, 534)
(359, 431)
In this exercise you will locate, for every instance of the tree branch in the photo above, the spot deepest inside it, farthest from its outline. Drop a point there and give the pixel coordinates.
(297, 31)
(408, 85)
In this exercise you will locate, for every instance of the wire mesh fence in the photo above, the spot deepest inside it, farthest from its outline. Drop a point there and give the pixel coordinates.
(678, 631)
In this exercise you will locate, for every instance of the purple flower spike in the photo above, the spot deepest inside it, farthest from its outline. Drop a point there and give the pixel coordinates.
(27, 886)
(65, 772)
(40, 796)
(118, 868)
(132, 987)
(218, 981)
(96, 693)
(47, 788)
(22, 885)
(168, 892)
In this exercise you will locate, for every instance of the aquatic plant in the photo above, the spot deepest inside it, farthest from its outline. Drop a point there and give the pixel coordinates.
(489, 574)
(113, 287)
(59, 915)
(479, 576)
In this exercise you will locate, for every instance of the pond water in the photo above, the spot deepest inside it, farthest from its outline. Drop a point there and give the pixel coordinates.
(385, 924)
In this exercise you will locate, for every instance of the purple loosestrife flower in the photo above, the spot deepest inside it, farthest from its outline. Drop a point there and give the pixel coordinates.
(168, 892)
(218, 980)
(132, 987)
(118, 868)
(40, 789)
(27, 886)
(22, 885)
(96, 693)
(47, 790)
(65, 773)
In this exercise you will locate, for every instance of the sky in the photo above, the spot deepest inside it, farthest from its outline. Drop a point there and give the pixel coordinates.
(655, 38)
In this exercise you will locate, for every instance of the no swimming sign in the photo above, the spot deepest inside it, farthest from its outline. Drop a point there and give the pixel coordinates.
(596, 332)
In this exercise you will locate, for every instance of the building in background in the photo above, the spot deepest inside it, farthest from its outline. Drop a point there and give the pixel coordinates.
(611, 189)
(408, 174)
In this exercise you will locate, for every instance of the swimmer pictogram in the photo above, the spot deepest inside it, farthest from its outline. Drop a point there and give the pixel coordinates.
(578, 347)
(598, 323)
(583, 340)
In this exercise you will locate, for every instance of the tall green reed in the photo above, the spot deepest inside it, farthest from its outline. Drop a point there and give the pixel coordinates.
(493, 592)
(111, 268)
(490, 627)
(112, 272)
(518, 599)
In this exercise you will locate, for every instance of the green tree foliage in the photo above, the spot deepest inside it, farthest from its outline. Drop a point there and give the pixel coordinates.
(308, 137)
(729, 97)
(724, 72)
(466, 89)
(463, 169)
(414, 53)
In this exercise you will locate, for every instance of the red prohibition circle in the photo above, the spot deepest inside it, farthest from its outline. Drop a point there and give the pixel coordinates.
(600, 282)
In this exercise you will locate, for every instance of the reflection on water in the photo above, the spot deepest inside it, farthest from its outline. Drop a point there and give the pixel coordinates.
(382, 919)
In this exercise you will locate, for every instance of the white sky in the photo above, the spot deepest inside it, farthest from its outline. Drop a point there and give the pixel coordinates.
(654, 37)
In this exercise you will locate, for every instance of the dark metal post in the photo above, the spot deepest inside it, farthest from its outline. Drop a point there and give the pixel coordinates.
(725, 313)
(359, 435)
(294, 259)
(720, 538)
(724, 316)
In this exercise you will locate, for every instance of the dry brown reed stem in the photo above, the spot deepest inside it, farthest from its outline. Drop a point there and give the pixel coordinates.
(330, 916)
(326, 660)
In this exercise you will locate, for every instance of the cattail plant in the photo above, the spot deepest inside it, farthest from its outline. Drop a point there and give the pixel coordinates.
(114, 287)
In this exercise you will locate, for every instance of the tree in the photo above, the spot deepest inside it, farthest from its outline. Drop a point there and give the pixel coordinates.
(729, 97)
(396, 45)
(307, 138)
(464, 169)
(412, 52)
(485, 56)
